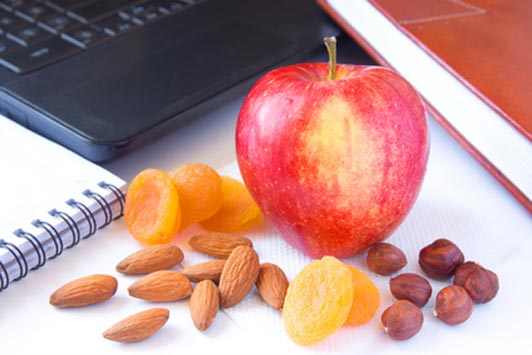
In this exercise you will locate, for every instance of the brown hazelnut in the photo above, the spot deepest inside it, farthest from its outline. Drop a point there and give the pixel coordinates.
(402, 320)
(462, 272)
(440, 259)
(453, 305)
(482, 285)
(385, 259)
(411, 287)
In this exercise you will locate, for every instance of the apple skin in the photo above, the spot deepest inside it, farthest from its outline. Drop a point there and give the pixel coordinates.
(334, 165)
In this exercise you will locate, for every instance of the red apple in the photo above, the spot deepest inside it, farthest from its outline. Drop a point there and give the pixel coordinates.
(333, 155)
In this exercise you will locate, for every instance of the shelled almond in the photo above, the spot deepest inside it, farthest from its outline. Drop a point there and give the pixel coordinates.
(219, 245)
(85, 291)
(208, 270)
(238, 276)
(138, 326)
(150, 259)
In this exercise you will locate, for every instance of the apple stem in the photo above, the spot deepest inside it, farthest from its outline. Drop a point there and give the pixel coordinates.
(330, 43)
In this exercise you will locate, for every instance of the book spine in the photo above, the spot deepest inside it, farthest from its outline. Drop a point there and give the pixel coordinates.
(46, 238)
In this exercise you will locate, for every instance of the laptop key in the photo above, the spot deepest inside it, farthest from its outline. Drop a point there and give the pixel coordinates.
(33, 11)
(65, 5)
(58, 23)
(11, 5)
(115, 25)
(30, 58)
(150, 14)
(29, 36)
(7, 45)
(134, 10)
(85, 36)
(99, 9)
(10, 22)
(166, 6)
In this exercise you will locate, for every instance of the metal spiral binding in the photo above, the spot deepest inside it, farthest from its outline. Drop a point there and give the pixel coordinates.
(36, 244)
(19, 258)
(89, 216)
(4, 280)
(106, 208)
(121, 198)
(72, 226)
(56, 238)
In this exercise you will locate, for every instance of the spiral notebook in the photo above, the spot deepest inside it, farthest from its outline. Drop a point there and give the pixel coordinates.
(50, 200)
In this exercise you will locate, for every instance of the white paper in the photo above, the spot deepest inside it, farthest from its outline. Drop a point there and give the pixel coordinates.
(38, 176)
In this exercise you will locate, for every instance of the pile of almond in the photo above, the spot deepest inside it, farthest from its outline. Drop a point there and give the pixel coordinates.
(222, 282)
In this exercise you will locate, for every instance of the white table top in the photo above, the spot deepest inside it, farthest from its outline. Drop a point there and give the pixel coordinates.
(459, 200)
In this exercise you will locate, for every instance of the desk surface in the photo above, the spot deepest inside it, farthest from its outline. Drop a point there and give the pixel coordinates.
(459, 200)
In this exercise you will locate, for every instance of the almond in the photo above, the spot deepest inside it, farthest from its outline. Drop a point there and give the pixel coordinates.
(161, 286)
(138, 326)
(84, 291)
(204, 304)
(208, 270)
(272, 284)
(150, 259)
(218, 245)
(238, 275)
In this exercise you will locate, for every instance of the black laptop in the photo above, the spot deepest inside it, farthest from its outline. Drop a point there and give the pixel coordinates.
(102, 77)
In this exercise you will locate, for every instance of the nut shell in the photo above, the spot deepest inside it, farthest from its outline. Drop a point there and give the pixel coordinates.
(411, 287)
(385, 259)
(402, 320)
(440, 259)
(453, 305)
(481, 284)
(463, 271)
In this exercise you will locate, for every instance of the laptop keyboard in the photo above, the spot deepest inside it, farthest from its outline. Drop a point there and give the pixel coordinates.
(37, 33)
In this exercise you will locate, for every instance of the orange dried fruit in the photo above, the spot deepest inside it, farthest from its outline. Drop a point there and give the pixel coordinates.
(366, 298)
(318, 300)
(200, 191)
(238, 211)
(151, 212)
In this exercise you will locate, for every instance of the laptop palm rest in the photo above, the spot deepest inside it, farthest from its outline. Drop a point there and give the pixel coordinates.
(148, 91)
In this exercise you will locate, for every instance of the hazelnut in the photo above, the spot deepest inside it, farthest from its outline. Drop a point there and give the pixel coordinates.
(411, 287)
(402, 320)
(462, 272)
(481, 284)
(440, 259)
(385, 259)
(453, 305)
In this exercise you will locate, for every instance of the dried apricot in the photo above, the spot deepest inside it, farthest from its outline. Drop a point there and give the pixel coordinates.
(152, 213)
(200, 192)
(366, 298)
(318, 300)
(238, 211)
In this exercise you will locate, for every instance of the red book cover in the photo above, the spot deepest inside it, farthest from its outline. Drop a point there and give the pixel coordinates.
(485, 43)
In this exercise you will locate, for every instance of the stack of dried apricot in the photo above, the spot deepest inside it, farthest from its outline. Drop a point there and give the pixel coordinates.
(160, 204)
(326, 295)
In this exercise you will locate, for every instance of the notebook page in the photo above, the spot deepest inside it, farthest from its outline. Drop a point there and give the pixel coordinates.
(39, 176)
